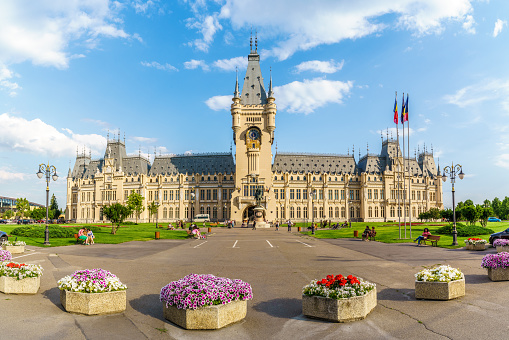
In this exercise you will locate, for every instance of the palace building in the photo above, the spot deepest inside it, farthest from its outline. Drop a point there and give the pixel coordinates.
(296, 186)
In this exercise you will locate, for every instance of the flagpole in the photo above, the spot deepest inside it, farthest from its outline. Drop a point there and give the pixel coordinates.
(397, 170)
(409, 185)
(404, 198)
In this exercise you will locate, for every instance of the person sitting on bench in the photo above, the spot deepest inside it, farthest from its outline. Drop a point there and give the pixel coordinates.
(424, 236)
(366, 234)
(82, 235)
(372, 234)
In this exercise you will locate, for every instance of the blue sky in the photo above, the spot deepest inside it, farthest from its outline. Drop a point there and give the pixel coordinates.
(163, 72)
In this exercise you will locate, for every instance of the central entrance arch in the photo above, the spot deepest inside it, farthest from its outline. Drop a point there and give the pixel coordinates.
(248, 214)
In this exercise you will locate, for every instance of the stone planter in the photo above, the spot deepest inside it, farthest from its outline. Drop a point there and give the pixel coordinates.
(502, 248)
(14, 249)
(342, 310)
(498, 274)
(94, 303)
(210, 317)
(439, 290)
(29, 285)
(480, 246)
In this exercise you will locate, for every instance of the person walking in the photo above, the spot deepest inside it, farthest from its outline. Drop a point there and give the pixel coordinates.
(289, 226)
(277, 226)
(254, 225)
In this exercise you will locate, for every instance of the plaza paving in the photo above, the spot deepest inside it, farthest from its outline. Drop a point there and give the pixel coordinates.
(277, 265)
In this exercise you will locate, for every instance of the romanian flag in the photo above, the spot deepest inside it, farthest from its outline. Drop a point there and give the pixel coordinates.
(403, 110)
(406, 108)
(396, 110)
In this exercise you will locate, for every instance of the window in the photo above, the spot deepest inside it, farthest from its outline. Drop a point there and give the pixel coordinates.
(342, 194)
(276, 193)
(352, 212)
(320, 194)
(376, 211)
(413, 212)
(331, 213)
(177, 198)
(298, 212)
(283, 195)
(277, 212)
(418, 195)
(370, 212)
(369, 195)
(202, 210)
(177, 212)
(165, 213)
(399, 211)
(322, 215)
(305, 194)
(336, 195)
(186, 213)
(214, 194)
(246, 190)
(357, 195)
(214, 213)
(292, 212)
(171, 195)
(165, 195)
(392, 212)
(186, 195)
(170, 212)
(298, 194)
(343, 212)
(126, 194)
(283, 212)
(225, 212)
(209, 195)
(202, 194)
(292, 196)
(314, 212)
(330, 194)
(413, 194)
(382, 194)
(336, 215)
(375, 194)
(382, 211)
(351, 194)
(305, 212)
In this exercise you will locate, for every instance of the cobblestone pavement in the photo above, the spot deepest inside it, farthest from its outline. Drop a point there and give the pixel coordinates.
(277, 264)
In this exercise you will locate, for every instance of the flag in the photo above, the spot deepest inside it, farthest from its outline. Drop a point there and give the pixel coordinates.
(403, 110)
(396, 110)
(406, 108)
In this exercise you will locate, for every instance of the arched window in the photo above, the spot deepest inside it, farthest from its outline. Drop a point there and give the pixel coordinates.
(170, 212)
(202, 210)
(298, 212)
(331, 212)
(370, 212)
(336, 215)
(165, 213)
(208, 211)
(322, 215)
(292, 212)
(343, 212)
(352, 212)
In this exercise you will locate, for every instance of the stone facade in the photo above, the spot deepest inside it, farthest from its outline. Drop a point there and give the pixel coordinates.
(296, 186)
(439, 290)
(210, 317)
(94, 303)
(10, 285)
(342, 310)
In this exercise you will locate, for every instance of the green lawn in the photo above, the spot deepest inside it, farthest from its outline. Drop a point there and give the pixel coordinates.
(140, 232)
(389, 233)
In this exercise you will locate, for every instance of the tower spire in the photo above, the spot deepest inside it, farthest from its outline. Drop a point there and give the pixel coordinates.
(251, 40)
(271, 93)
(256, 40)
(236, 94)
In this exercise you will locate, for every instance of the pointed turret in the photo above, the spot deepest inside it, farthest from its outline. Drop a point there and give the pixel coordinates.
(253, 91)
(271, 93)
(236, 94)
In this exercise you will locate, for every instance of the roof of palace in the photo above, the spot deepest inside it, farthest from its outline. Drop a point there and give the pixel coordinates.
(253, 90)
(193, 164)
(307, 162)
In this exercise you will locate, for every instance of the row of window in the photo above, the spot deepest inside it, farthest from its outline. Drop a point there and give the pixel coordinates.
(335, 194)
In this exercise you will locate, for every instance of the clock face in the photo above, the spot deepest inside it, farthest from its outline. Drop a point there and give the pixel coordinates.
(253, 134)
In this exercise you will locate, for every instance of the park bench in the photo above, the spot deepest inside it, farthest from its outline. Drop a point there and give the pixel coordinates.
(213, 224)
(433, 239)
(77, 239)
(372, 236)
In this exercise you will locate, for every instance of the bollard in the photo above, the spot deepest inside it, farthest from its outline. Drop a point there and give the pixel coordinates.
(157, 235)
(355, 233)
(210, 229)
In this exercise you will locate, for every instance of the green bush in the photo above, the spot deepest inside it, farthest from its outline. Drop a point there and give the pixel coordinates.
(38, 231)
(128, 223)
(464, 230)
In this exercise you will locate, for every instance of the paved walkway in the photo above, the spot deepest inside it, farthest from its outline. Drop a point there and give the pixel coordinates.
(277, 265)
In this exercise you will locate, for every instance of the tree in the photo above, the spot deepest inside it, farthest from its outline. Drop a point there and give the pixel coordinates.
(496, 204)
(470, 213)
(469, 203)
(446, 214)
(22, 206)
(38, 213)
(135, 204)
(8, 214)
(152, 209)
(116, 213)
(484, 212)
(434, 214)
(504, 208)
(53, 210)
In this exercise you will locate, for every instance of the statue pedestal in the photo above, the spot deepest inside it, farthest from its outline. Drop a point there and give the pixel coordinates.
(258, 213)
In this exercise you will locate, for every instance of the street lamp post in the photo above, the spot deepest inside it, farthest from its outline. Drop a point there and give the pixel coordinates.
(452, 171)
(191, 205)
(50, 172)
(157, 214)
(313, 196)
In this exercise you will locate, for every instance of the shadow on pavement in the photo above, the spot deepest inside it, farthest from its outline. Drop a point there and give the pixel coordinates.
(280, 308)
(396, 294)
(148, 304)
(477, 278)
(53, 295)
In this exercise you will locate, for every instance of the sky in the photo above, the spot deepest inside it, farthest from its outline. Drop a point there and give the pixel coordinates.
(163, 73)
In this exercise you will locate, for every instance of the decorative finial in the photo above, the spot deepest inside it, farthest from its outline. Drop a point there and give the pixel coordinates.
(76, 151)
(139, 151)
(124, 137)
(348, 151)
(231, 148)
(367, 148)
(387, 133)
(118, 139)
(108, 135)
(271, 93)
(251, 40)
(432, 149)
(424, 147)
(353, 150)
(256, 40)
(236, 94)
(276, 148)
(415, 153)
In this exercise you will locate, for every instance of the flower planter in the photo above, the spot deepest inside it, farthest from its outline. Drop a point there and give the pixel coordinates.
(342, 310)
(439, 290)
(502, 248)
(28, 285)
(479, 246)
(209, 317)
(498, 274)
(94, 303)
(14, 249)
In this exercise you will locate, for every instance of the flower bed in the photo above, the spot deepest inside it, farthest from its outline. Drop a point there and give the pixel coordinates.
(338, 298)
(205, 301)
(92, 291)
(497, 265)
(502, 245)
(5, 255)
(16, 247)
(439, 283)
(474, 243)
(20, 278)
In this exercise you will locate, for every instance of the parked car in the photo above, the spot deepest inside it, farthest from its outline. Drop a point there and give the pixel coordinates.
(3, 221)
(494, 219)
(3, 237)
(500, 234)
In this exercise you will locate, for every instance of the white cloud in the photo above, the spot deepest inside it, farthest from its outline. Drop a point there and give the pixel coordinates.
(468, 24)
(42, 31)
(305, 97)
(145, 139)
(503, 161)
(7, 175)
(193, 64)
(330, 66)
(308, 24)
(207, 26)
(499, 25)
(6, 83)
(96, 122)
(163, 67)
(487, 90)
(218, 103)
(37, 137)
(231, 64)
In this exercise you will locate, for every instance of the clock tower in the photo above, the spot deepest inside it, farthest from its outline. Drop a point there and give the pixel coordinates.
(253, 123)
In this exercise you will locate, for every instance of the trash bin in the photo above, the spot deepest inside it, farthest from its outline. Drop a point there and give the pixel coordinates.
(299, 228)
(157, 235)
(355, 233)
(210, 229)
